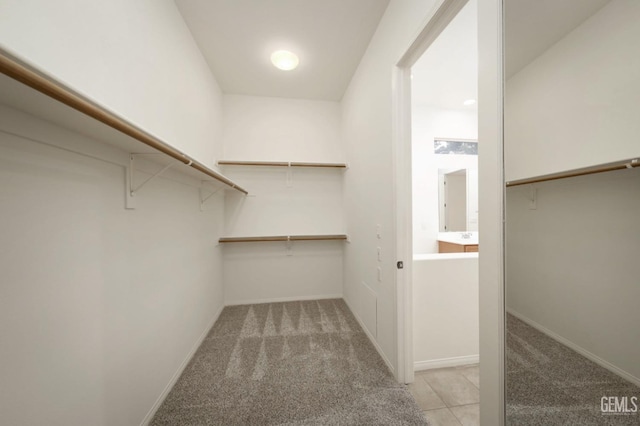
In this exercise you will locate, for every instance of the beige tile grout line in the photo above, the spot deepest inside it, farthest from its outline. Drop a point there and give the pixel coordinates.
(447, 406)
(440, 396)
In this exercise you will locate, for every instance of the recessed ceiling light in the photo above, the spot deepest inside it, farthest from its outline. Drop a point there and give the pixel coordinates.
(469, 102)
(284, 60)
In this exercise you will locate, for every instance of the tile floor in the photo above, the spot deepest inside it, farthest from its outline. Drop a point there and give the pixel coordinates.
(449, 396)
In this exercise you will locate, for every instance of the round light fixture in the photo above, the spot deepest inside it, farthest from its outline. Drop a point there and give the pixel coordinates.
(469, 102)
(284, 60)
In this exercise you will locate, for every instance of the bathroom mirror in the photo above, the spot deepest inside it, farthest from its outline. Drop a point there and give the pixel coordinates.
(572, 238)
(458, 200)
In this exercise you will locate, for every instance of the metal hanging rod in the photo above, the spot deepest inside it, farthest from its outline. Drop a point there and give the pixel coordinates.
(28, 75)
(628, 164)
(281, 164)
(286, 238)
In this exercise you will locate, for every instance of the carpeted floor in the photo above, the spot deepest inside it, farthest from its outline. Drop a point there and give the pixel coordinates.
(294, 363)
(549, 384)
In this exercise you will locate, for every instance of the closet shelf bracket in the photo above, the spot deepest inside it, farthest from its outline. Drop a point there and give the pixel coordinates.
(204, 197)
(288, 246)
(131, 188)
(533, 197)
(289, 177)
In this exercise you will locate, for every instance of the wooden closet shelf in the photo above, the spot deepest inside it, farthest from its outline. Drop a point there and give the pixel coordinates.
(339, 237)
(281, 164)
(47, 85)
(628, 164)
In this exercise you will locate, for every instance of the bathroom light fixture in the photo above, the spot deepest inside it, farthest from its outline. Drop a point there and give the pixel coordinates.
(469, 102)
(284, 60)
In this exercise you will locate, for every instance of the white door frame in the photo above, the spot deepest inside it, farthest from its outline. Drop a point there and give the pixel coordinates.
(491, 197)
(442, 15)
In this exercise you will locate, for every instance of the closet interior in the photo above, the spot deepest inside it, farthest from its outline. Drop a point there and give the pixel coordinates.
(125, 208)
(572, 197)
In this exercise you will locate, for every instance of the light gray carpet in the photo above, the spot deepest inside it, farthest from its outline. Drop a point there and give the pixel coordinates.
(294, 363)
(549, 384)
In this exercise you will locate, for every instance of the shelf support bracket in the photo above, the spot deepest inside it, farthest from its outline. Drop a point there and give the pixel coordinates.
(289, 178)
(131, 189)
(204, 198)
(533, 198)
(288, 246)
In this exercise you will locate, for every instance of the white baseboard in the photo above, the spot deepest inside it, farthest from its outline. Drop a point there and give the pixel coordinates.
(446, 362)
(147, 419)
(371, 338)
(282, 299)
(582, 351)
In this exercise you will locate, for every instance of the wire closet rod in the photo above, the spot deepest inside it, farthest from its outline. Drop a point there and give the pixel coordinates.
(28, 75)
(340, 237)
(281, 164)
(628, 164)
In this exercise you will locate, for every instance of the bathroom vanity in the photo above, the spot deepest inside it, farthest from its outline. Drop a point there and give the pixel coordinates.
(457, 242)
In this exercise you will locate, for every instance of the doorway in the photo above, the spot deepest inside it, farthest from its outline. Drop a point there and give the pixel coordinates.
(432, 114)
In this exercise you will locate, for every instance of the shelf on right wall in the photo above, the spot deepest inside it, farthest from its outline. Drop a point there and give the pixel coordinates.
(281, 164)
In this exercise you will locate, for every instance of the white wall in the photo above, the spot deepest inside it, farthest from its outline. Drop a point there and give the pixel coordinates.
(369, 182)
(572, 262)
(109, 302)
(279, 129)
(428, 123)
(576, 104)
(445, 310)
(263, 272)
(99, 306)
(136, 58)
(306, 201)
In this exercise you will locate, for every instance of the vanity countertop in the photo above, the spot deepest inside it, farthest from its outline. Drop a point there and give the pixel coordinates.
(461, 238)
